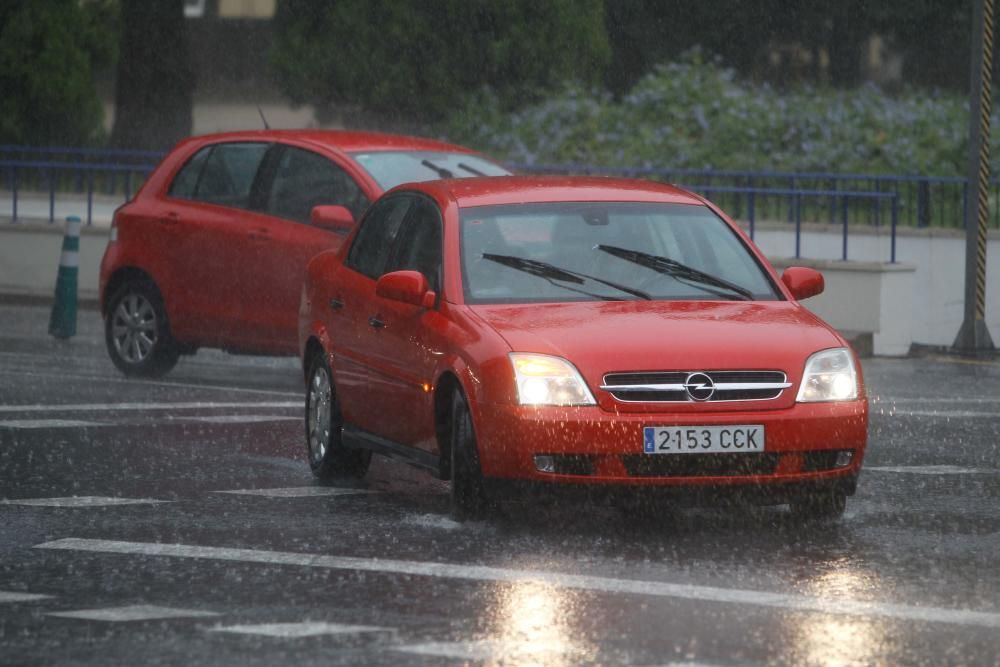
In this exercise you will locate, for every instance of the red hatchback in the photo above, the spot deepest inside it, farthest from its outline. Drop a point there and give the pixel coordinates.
(212, 250)
(576, 333)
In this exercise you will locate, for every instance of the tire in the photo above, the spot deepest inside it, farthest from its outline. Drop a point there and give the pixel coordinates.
(136, 331)
(468, 495)
(328, 457)
(825, 506)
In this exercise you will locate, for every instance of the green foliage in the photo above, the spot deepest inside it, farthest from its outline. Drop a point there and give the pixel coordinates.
(47, 51)
(696, 114)
(418, 60)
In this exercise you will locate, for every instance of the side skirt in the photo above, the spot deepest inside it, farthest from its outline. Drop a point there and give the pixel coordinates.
(356, 438)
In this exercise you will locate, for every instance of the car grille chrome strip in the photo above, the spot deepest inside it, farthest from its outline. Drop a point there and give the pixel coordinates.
(694, 386)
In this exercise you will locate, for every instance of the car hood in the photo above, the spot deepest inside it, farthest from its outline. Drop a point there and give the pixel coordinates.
(616, 336)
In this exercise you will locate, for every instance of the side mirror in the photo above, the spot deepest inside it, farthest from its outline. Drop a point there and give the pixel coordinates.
(802, 282)
(332, 218)
(406, 286)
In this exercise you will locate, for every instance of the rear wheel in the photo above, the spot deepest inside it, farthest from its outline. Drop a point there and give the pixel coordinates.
(328, 457)
(468, 495)
(136, 331)
(828, 505)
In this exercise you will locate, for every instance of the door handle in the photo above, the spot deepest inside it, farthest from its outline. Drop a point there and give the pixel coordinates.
(375, 322)
(260, 234)
(170, 218)
(336, 304)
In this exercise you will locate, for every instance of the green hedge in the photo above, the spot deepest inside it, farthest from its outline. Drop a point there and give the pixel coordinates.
(698, 114)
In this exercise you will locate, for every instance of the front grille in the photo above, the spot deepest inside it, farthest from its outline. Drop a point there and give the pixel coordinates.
(572, 464)
(669, 386)
(820, 460)
(699, 465)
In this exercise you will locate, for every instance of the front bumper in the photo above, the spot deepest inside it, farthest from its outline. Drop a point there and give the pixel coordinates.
(603, 448)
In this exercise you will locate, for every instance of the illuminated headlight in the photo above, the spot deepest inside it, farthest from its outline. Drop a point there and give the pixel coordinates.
(546, 380)
(829, 376)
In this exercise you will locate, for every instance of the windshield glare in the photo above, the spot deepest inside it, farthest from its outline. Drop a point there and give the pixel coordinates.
(568, 235)
(392, 168)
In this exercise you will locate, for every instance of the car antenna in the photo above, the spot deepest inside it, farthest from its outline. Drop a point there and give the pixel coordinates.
(266, 126)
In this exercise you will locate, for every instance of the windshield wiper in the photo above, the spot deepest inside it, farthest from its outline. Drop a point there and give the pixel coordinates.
(441, 171)
(471, 170)
(552, 272)
(680, 271)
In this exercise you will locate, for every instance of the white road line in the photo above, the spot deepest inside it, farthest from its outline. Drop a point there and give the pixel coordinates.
(152, 383)
(125, 407)
(934, 470)
(947, 414)
(298, 492)
(138, 612)
(481, 573)
(11, 596)
(81, 501)
(304, 629)
(934, 399)
(240, 419)
(47, 423)
(480, 650)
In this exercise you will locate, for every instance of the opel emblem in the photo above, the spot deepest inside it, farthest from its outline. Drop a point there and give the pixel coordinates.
(699, 387)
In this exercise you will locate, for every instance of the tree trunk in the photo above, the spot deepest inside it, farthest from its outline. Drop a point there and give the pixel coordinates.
(153, 94)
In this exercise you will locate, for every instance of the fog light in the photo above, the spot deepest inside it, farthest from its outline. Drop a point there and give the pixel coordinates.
(844, 458)
(545, 463)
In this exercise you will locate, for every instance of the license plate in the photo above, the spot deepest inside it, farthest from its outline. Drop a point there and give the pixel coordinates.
(702, 439)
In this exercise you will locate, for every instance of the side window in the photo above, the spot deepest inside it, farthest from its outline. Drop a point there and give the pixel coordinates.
(304, 180)
(377, 235)
(229, 173)
(418, 246)
(186, 181)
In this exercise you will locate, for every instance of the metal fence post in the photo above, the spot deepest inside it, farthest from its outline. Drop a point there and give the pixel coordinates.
(13, 182)
(750, 211)
(895, 219)
(843, 254)
(923, 203)
(797, 205)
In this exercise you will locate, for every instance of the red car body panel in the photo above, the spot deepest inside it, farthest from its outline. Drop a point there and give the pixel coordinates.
(231, 277)
(392, 383)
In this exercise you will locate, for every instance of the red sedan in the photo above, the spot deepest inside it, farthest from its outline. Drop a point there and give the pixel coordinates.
(584, 334)
(212, 250)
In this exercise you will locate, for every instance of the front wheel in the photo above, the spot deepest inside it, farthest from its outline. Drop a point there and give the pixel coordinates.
(468, 495)
(136, 331)
(328, 457)
(829, 505)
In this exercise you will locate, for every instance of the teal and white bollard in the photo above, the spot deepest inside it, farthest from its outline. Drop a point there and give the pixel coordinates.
(62, 322)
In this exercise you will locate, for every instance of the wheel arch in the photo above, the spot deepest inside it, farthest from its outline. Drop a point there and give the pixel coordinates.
(312, 347)
(120, 277)
(444, 389)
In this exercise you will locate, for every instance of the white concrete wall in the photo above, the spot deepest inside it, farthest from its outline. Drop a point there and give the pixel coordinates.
(29, 259)
(937, 304)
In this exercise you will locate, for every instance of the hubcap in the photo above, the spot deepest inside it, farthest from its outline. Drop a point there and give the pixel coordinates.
(134, 328)
(320, 398)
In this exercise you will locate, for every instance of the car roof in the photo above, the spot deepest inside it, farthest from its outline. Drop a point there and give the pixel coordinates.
(495, 190)
(345, 140)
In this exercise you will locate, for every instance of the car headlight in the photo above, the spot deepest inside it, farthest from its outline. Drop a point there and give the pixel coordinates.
(829, 376)
(546, 380)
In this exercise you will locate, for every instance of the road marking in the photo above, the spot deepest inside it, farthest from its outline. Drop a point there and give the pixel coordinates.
(481, 650)
(46, 423)
(124, 407)
(240, 419)
(81, 501)
(482, 573)
(305, 629)
(432, 521)
(947, 414)
(934, 399)
(136, 612)
(298, 492)
(11, 596)
(153, 383)
(934, 470)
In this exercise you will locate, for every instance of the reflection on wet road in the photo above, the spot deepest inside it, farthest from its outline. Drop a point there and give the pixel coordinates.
(176, 522)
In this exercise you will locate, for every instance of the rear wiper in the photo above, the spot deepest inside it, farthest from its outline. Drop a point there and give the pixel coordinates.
(552, 272)
(441, 171)
(680, 271)
(474, 172)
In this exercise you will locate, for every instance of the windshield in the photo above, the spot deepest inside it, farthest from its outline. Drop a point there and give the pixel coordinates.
(572, 251)
(392, 168)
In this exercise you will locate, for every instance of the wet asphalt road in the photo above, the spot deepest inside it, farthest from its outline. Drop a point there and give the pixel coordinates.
(378, 573)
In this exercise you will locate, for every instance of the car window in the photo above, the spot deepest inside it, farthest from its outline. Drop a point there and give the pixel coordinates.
(391, 168)
(186, 181)
(370, 250)
(229, 173)
(305, 179)
(418, 244)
